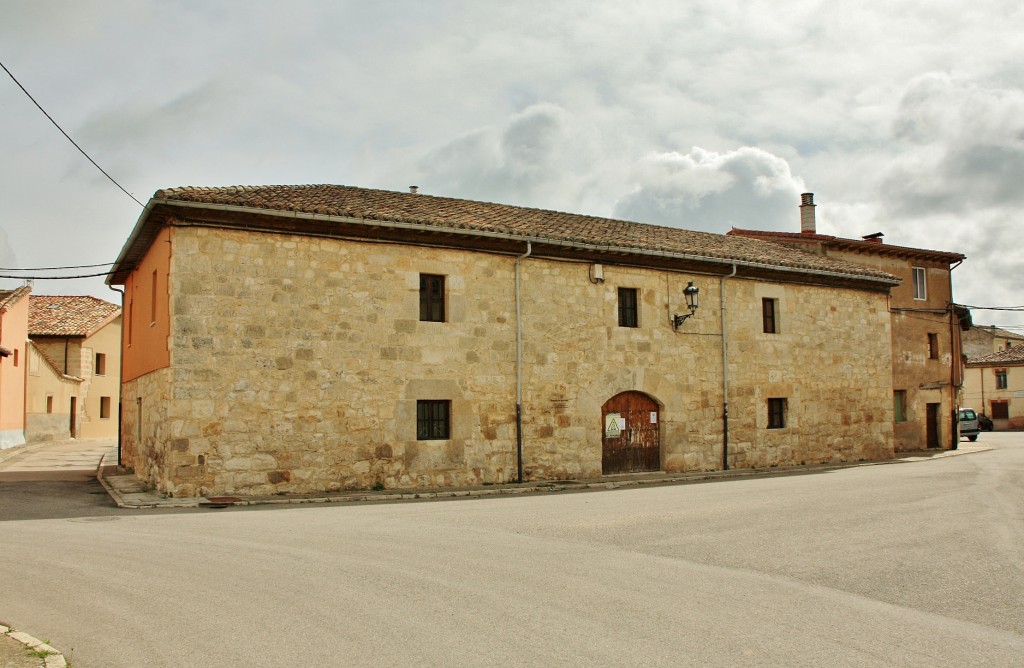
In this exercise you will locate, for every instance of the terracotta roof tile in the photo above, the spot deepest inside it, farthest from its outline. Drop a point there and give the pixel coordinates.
(535, 224)
(9, 298)
(859, 244)
(68, 315)
(1014, 355)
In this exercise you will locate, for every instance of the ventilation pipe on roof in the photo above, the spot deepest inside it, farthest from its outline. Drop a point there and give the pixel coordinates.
(807, 222)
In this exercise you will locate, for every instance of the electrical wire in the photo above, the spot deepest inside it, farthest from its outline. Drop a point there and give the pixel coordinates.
(53, 278)
(79, 266)
(80, 149)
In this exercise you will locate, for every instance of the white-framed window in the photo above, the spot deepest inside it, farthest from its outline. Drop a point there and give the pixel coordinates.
(920, 283)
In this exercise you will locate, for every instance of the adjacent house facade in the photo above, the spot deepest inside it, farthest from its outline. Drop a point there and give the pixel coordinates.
(926, 326)
(310, 338)
(74, 372)
(13, 343)
(982, 340)
(994, 385)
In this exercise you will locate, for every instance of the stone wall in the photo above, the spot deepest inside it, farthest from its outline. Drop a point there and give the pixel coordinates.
(296, 364)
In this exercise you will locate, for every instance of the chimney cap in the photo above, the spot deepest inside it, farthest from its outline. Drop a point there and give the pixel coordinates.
(875, 238)
(807, 199)
(414, 189)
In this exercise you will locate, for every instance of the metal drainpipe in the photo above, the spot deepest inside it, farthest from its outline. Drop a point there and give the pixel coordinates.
(725, 377)
(120, 375)
(954, 364)
(519, 369)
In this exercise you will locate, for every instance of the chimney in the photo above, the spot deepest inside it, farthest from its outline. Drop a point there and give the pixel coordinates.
(414, 189)
(807, 224)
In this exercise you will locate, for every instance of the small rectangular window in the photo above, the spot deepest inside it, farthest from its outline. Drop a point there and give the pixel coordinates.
(920, 284)
(1000, 410)
(152, 302)
(431, 298)
(1001, 379)
(768, 317)
(433, 420)
(104, 408)
(776, 413)
(933, 346)
(101, 364)
(628, 314)
(899, 405)
(49, 403)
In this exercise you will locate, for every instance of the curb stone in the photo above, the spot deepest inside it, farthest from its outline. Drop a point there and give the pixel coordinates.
(51, 657)
(127, 491)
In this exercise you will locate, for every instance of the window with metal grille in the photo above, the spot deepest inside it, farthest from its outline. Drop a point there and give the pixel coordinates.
(1000, 410)
(1001, 379)
(628, 313)
(776, 413)
(431, 298)
(899, 405)
(433, 420)
(768, 317)
(920, 283)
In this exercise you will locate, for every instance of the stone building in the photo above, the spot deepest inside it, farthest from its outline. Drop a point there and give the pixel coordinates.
(982, 340)
(73, 382)
(994, 386)
(307, 338)
(926, 326)
(13, 342)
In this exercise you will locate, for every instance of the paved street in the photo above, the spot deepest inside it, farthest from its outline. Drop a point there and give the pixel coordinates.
(910, 564)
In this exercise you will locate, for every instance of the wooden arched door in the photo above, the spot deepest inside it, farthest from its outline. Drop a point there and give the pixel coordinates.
(630, 427)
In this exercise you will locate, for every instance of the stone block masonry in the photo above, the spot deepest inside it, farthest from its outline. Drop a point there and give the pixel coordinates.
(297, 364)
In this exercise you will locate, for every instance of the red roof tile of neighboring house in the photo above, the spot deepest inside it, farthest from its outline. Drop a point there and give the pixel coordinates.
(68, 315)
(852, 244)
(9, 298)
(333, 205)
(1014, 355)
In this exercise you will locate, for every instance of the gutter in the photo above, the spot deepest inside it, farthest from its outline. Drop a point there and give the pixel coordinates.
(120, 376)
(955, 363)
(519, 368)
(300, 215)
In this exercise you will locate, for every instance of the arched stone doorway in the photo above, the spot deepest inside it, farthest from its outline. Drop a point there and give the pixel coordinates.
(631, 436)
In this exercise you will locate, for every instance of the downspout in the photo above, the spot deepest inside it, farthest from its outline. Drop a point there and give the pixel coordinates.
(955, 362)
(519, 368)
(120, 376)
(725, 376)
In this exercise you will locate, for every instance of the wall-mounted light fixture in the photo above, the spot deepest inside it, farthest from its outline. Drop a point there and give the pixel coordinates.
(691, 293)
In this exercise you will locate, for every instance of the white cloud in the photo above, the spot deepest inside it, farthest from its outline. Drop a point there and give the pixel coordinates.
(705, 190)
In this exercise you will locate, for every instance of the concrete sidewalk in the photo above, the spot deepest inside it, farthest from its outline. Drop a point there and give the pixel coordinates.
(20, 650)
(128, 491)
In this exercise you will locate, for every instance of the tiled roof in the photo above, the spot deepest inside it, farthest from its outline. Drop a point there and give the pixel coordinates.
(68, 315)
(1014, 355)
(992, 330)
(455, 215)
(857, 244)
(9, 298)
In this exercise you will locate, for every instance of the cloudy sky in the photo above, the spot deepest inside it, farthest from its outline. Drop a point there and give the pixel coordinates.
(902, 117)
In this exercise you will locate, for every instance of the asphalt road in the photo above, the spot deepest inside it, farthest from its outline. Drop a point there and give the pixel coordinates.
(918, 564)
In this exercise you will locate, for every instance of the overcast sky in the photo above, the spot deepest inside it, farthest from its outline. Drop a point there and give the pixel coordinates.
(902, 117)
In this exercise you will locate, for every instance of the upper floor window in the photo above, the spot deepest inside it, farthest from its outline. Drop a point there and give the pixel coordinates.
(431, 298)
(920, 284)
(101, 364)
(933, 345)
(628, 311)
(1001, 381)
(769, 321)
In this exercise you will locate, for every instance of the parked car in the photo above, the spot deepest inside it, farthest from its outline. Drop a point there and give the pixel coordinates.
(969, 426)
(985, 422)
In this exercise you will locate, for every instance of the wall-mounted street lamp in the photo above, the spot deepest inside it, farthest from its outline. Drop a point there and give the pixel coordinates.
(691, 293)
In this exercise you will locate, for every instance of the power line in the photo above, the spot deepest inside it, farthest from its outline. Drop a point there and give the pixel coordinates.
(53, 278)
(79, 266)
(80, 150)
